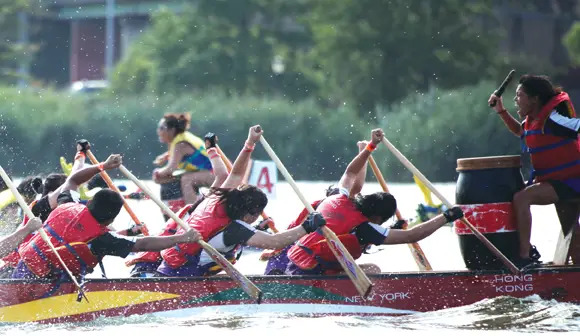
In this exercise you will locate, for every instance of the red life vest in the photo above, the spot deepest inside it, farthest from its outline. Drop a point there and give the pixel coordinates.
(208, 218)
(170, 230)
(69, 227)
(553, 157)
(341, 217)
(13, 257)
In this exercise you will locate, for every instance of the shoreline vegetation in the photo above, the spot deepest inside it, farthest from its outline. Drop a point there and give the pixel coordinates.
(433, 129)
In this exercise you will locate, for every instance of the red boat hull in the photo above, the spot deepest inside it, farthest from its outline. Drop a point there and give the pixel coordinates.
(392, 294)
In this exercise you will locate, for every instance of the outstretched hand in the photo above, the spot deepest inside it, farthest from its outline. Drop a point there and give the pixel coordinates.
(210, 140)
(113, 161)
(254, 134)
(498, 107)
(377, 136)
(313, 222)
(453, 214)
(191, 236)
(361, 145)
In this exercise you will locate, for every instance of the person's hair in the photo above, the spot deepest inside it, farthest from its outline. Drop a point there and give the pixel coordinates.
(539, 86)
(380, 204)
(3, 185)
(178, 121)
(30, 186)
(332, 190)
(242, 201)
(105, 205)
(52, 182)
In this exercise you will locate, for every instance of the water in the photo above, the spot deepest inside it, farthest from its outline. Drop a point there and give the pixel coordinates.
(498, 316)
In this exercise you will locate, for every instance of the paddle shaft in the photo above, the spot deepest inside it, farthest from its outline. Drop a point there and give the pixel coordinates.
(354, 272)
(113, 187)
(245, 283)
(43, 234)
(423, 179)
(229, 166)
(416, 250)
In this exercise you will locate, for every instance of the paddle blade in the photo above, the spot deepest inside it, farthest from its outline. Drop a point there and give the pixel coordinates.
(248, 286)
(361, 281)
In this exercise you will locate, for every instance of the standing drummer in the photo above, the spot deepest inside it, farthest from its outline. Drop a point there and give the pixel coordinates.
(549, 133)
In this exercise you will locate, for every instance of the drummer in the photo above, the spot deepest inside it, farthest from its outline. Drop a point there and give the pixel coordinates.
(549, 132)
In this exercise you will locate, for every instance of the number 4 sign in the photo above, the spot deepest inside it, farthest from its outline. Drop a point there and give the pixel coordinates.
(264, 175)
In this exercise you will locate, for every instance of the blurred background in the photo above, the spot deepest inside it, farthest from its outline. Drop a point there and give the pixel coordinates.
(318, 75)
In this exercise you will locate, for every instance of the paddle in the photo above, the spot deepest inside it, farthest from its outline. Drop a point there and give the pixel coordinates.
(423, 179)
(354, 272)
(229, 166)
(113, 187)
(43, 235)
(416, 250)
(245, 283)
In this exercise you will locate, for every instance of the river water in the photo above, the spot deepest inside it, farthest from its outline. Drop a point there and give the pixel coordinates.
(498, 316)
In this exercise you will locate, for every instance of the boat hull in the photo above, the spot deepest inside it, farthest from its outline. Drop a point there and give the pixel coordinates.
(392, 294)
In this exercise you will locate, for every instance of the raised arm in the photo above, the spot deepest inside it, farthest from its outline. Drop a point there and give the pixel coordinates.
(220, 171)
(510, 122)
(83, 175)
(358, 164)
(282, 239)
(236, 176)
(359, 180)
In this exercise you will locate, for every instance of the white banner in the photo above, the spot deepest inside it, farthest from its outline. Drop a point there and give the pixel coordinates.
(264, 175)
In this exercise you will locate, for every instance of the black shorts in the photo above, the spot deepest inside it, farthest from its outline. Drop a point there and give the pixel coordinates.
(564, 190)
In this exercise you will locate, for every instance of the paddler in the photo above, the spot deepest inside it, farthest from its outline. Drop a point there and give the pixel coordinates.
(187, 153)
(81, 237)
(223, 218)
(549, 132)
(356, 221)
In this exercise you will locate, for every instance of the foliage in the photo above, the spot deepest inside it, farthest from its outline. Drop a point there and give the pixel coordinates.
(378, 51)
(572, 43)
(215, 45)
(435, 129)
(432, 130)
(12, 53)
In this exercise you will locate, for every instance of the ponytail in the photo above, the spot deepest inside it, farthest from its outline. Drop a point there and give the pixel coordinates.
(178, 121)
(242, 201)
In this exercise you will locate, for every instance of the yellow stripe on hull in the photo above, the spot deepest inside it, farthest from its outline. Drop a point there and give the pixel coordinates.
(66, 305)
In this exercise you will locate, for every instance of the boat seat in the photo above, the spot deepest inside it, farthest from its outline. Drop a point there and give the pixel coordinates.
(568, 246)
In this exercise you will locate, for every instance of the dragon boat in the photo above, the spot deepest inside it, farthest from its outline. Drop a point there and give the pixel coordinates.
(392, 294)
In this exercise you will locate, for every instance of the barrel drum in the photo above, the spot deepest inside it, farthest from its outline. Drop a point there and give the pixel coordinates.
(485, 189)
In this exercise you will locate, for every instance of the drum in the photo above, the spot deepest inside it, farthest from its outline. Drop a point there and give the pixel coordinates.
(485, 189)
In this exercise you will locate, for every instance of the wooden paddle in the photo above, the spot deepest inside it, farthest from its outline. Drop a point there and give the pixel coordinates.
(355, 273)
(43, 235)
(245, 283)
(229, 166)
(423, 179)
(113, 187)
(416, 250)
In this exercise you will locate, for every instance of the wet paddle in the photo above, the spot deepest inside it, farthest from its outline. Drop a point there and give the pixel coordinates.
(113, 187)
(423, 179)
(43, 234)
(229, 166)
(416, 250)
(248, 286)
(355, 273)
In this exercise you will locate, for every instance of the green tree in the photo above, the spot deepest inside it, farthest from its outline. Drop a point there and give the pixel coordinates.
(216, 44)
(12, 53)
(378, 51)
(572, 42)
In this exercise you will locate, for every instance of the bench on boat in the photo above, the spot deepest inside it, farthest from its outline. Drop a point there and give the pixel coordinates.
(568, 246)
